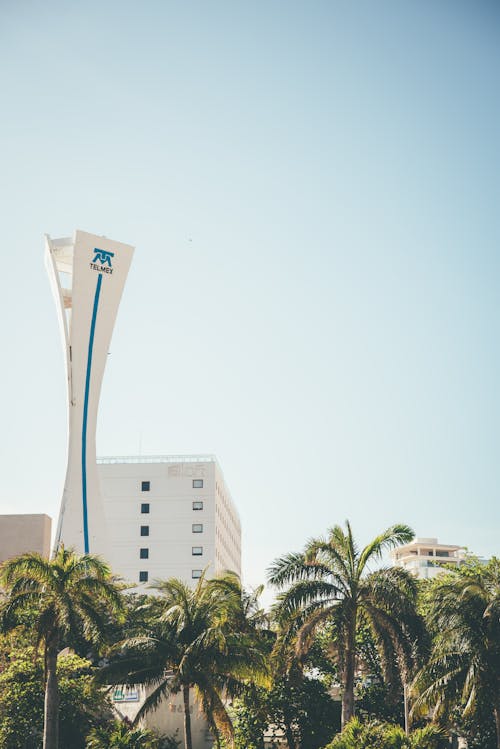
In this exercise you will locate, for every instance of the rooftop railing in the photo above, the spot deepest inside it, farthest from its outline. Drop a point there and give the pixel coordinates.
(158, 459)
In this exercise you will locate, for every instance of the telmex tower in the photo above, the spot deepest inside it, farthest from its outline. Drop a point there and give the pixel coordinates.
(87, 275)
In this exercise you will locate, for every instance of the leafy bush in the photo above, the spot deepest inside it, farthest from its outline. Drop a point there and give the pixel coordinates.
(357, 735)
(121, 735)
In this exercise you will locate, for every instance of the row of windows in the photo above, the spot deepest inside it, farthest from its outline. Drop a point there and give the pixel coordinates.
(195, 528)
(196, 551)
(146, 485)
(144, 575)
(145, 507)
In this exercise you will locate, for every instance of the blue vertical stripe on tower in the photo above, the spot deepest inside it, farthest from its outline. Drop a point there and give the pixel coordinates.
(85, 412)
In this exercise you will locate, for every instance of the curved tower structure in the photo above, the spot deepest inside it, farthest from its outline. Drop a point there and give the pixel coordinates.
(87, 275)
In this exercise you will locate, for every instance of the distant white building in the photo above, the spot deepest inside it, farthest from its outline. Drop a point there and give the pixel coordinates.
(168, 516)
(424, 557)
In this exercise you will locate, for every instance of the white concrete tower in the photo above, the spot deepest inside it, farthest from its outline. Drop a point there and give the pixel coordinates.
(87, 275)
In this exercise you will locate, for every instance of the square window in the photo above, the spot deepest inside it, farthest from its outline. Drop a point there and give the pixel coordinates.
(195, 574)
(197, 505)
(197, 527)
(197, 483)
(143, 576)
(144, 530)
(145, 486)
(197, 551)
(144, 508)
(144, 554)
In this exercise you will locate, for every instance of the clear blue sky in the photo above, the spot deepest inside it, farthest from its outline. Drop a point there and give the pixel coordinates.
(313, 191)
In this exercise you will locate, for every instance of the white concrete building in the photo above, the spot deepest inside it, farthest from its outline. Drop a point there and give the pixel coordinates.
(168, 516)
(424, 557)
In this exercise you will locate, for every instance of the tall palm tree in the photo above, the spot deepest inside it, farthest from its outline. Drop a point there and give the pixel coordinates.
(197, 640)
(464, 667)
(330, 582)
(67, 597)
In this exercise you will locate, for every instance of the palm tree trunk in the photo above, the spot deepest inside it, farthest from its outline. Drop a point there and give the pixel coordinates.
(51, 708)
(496, 712)
(290, 739)
(349, 666)
(187, 718)
(287, 723)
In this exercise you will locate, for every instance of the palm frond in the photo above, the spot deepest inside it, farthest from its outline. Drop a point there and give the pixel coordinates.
(303, 594)
(160, 690)
(394, 536)
(291, 567)
(307, 630)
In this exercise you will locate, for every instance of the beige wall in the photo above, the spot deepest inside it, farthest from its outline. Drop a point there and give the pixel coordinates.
(24, 533)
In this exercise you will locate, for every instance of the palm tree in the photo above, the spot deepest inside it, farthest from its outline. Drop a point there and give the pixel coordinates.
(464, 667)
(196, 640)
(330, 582)
(67, 597)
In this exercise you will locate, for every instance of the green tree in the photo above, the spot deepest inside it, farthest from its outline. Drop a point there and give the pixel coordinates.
(249, 714)
(302, 709)
(463, 672)
(82, 703)
(197, 639)
(67, 597)
(330, 582)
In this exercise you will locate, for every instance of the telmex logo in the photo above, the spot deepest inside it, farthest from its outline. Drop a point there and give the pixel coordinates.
(103, 257)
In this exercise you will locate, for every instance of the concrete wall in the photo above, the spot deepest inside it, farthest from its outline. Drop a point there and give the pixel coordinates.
(24, 533)
(227, 528)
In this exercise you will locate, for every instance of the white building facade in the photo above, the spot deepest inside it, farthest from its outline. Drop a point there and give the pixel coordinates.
(168, 516)
(424, 557)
